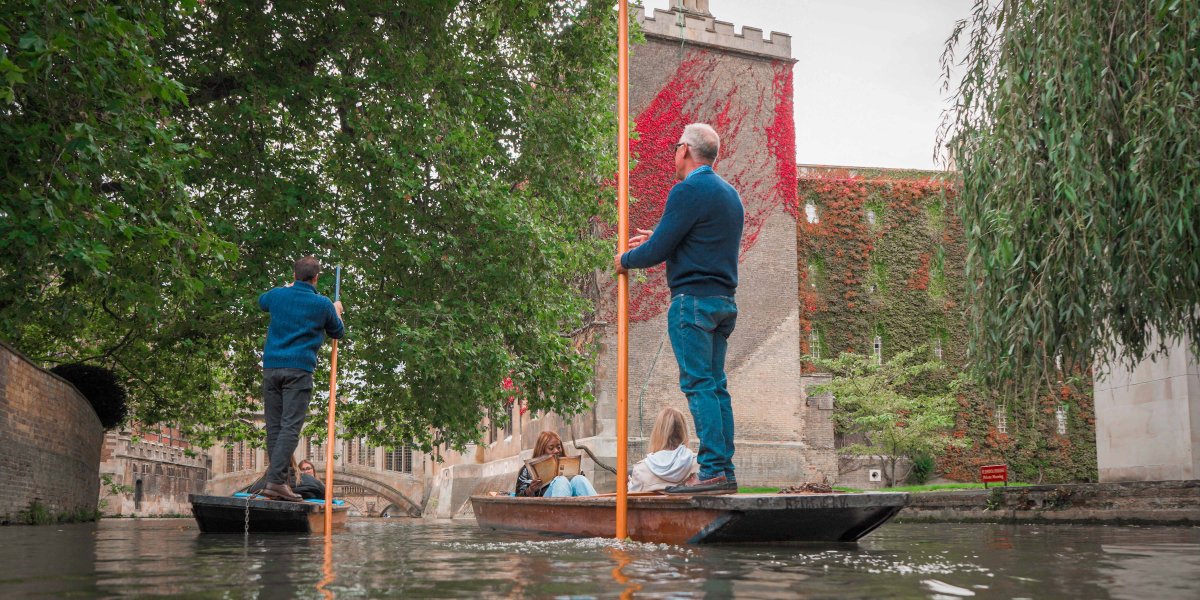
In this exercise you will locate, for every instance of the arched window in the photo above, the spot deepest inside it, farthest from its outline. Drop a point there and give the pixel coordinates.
(937, 348)
(1060, 417)
(814, 344)
(810, 212)
(512, 416)
(877, 349)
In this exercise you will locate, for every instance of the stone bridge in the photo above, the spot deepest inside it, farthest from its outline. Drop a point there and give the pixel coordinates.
(367, 487)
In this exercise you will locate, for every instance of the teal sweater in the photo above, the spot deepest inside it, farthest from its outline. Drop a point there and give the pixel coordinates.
(300, 320)
(699, 236)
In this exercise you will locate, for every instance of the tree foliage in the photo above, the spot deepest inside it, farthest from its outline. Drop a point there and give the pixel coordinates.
(168, 162)
(904, 407)
(1076, 130)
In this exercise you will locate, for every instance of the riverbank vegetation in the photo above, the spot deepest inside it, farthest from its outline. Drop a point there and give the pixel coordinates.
(888, 411)
(931, 487)
(1076, 135)
(36, 513)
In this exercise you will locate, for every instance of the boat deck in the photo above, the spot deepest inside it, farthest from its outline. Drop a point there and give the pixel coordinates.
(740, 518)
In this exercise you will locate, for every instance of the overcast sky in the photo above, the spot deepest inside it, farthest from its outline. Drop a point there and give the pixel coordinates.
(868, 78)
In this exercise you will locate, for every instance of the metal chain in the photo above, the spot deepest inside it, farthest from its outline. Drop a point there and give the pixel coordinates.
(246, 520)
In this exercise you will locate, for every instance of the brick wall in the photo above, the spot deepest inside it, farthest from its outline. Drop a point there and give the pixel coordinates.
(50, 440)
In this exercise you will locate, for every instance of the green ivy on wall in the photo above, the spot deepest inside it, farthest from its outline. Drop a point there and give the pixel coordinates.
(881, 256)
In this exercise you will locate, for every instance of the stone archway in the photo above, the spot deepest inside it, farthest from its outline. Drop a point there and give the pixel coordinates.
(396, 499)
(368, 478)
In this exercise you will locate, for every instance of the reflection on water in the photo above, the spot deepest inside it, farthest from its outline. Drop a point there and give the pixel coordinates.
(623, 559)
(327, 577)
(391, 558)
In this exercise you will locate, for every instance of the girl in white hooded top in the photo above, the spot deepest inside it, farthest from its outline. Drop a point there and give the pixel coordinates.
(670, 460)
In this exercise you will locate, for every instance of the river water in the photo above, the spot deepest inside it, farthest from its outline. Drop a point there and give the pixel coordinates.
(382, 558)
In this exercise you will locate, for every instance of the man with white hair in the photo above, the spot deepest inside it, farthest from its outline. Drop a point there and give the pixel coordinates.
(699, 236)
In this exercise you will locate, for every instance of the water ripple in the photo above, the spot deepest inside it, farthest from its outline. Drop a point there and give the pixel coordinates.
(391, 558)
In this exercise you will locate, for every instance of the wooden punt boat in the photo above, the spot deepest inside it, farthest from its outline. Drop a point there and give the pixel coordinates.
(227, 514)
(732, 519)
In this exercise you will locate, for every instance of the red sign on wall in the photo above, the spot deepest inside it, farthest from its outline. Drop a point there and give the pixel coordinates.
(993, 473)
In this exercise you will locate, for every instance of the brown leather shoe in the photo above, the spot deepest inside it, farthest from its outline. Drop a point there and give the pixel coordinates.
(704, 487)
(281, 491)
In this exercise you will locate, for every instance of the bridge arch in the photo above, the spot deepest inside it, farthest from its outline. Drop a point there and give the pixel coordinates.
(394, 496)
(375, 481)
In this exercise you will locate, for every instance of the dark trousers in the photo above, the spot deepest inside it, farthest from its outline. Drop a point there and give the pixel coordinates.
(286, 393)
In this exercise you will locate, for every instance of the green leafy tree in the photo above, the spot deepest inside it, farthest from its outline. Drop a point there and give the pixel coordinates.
(902, 408)
(104, 255)
(451, 156)
(1076, 130)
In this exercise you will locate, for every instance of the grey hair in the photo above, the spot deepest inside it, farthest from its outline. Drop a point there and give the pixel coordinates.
(703, 140)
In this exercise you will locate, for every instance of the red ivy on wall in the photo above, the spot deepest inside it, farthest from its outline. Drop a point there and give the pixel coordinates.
(688, 97)
(781, 140)
(915, 220)
(843, 247)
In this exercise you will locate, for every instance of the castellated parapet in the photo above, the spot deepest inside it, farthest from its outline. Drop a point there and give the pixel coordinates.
(702, 30)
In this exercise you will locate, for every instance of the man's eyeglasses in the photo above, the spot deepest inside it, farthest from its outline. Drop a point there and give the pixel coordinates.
(675, 146)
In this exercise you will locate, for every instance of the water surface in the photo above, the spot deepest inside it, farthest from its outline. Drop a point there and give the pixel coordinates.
(381, 558)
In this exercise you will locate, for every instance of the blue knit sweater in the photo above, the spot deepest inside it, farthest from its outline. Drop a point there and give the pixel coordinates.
(699, 235)
(300, 319)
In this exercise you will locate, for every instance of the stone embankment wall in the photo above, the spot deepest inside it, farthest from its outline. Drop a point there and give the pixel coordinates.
(155, 472)
(1147, 502)
(49, 441)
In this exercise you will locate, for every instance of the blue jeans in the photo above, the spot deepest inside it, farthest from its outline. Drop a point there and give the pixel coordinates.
(699, 327)
(560, 487)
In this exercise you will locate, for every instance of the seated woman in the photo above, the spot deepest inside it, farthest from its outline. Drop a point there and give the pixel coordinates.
(302, 478)
(308, 485)
(559, 487)
(670, 461)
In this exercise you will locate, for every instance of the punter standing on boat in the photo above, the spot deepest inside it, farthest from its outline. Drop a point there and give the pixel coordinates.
(699, 237)
(300, 320)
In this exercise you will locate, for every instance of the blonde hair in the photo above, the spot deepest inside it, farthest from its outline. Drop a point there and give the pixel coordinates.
(670, 430)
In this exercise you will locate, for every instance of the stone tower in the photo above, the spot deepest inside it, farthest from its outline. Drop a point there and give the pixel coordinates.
(694, 68)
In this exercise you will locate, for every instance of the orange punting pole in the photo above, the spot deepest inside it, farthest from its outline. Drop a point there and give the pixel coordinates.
(337, 292)
(623, 278)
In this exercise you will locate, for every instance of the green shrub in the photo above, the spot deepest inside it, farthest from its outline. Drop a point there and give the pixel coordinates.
(922, 469)
(35, 514)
